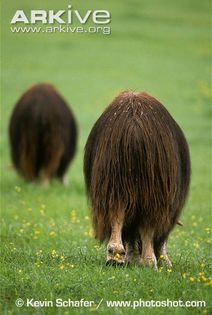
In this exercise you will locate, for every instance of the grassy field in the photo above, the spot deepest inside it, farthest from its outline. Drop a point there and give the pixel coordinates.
(47, 248)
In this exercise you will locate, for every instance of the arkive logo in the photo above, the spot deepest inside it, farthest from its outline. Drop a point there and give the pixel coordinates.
(69, 16)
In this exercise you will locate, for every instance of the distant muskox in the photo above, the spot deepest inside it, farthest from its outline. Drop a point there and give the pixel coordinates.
(137, 173)
(43, 134)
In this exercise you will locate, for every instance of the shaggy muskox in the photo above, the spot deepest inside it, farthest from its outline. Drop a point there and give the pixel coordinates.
(137, 173)
(42, 134)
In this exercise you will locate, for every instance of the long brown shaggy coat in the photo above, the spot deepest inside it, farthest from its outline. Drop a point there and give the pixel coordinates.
(43, 134)
(136, 161)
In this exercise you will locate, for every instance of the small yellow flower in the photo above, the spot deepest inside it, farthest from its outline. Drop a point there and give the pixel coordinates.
(192, 279)
(117, 256)
(62, 267)
(52, 233)
(17, 189)
(73, 216)
(169, 270)
(196, 245)
(19, 271)
(54, 253)
(42, 212)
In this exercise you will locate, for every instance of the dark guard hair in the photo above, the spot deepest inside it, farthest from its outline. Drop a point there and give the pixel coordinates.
(136, 161)
(43, 133)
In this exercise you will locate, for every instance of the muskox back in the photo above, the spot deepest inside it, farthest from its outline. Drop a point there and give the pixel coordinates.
(42, 133)
(136, 161)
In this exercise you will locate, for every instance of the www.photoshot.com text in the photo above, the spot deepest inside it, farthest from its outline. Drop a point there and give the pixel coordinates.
(30, 302)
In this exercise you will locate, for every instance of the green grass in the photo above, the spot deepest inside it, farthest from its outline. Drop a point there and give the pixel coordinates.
(47, 248)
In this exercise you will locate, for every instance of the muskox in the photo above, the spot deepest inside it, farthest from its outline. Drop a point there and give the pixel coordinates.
(43, 134)
(137, 174)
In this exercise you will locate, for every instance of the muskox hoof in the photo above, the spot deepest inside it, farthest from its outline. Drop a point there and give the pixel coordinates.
(164, 261)
(149, 262)
(115, 255)
(64, 181)
(44, 182)
(129, 259)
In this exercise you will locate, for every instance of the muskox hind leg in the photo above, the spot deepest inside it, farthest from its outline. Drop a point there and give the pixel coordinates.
(115, 247)
(130, 252)
(50, 166)
(148, 257)
(163, 259)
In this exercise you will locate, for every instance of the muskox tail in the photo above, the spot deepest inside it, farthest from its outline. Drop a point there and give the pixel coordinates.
(136, 161)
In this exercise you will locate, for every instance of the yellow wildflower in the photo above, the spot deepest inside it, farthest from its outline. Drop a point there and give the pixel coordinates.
(52, 233)
(192, 279)
(54, 253)
(117, 256)
(17, 189)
